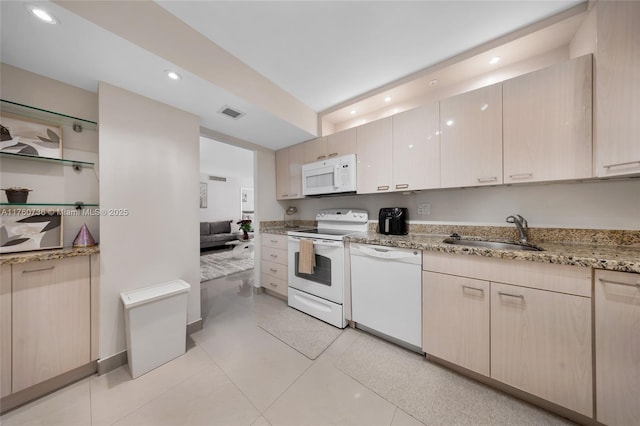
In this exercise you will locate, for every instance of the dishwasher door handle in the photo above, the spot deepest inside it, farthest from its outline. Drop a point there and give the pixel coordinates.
(384, 253)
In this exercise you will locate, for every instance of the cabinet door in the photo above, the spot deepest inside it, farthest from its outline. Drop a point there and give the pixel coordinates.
(455, 320)
(341, 143)
(471, 138)
(51, 319)
(374, 156)
(282, 174)
(296, 159)
(314, 150)
(416, 148)
(5, 330)
(541, 344)
(547, 123)
(617, 147)
(617, 321)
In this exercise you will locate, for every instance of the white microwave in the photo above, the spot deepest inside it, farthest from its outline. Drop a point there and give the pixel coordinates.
(331, 176)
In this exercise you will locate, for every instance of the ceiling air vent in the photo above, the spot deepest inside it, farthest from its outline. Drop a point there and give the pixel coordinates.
(230, 112)
(218, 178)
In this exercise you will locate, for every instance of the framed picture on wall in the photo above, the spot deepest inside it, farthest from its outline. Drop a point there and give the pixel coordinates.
(203, 195)
(24, 136)
(246, 197)
(30, 232)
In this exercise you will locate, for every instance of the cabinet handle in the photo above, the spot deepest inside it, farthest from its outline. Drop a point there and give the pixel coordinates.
(273, 285)
(333, 154)
(321, 157)
(383, 188)
(39, 270)
(519, 296)
(473, 288)
(273, 255)
(603, 281)
(293, 195)
(274, 241)
(487, 179)
(273, 270)
(284, 195)
(402, 186)
(628, 163)
(521, 176)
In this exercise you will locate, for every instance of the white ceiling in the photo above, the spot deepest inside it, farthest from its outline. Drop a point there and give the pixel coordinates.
(322, 53)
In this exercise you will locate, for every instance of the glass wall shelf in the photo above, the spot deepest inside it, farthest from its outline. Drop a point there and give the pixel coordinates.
(50, 204)
(43, 114)
(62, 161)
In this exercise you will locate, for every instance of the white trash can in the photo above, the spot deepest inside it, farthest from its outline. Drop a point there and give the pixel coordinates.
(155, 320)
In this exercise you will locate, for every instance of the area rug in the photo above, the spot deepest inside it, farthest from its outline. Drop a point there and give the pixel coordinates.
(216, 265)
(305, 334)
(431, 393)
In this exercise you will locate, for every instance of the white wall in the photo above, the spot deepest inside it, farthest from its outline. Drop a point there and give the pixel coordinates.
(588, 205)
(223, 199)
(149, 155)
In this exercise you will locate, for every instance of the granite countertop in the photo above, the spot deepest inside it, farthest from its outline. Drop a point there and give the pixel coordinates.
(613, 258)
(34, 256)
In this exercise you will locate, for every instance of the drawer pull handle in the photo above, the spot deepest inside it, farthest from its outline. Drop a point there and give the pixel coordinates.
(487, 179)
(321, 157)
(284, 196)
(273, 270)
(293, 195)
(628, 163)
(519, 296)
(273, 285)
(333, 154)
(39, 270)
(481, 290)
(273, 255)
(521, 176)
(603, 281)
(402, 186)
(274, 241)
(383, 188)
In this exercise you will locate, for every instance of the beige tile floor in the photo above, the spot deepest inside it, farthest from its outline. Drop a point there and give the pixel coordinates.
(233, 373)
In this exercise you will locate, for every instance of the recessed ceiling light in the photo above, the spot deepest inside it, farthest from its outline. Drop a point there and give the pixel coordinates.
(353, 111)
(494, 60)
(449, 123)
(433, 82)
(42, 14)
(173, 75)
(387, 99)
(484, 107)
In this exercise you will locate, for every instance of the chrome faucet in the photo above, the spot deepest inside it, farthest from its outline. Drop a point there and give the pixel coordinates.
(521, 225)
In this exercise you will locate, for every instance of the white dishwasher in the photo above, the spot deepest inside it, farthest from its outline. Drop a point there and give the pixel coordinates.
(386, 291)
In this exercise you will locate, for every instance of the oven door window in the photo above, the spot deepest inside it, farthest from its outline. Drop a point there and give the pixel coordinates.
(321, 273)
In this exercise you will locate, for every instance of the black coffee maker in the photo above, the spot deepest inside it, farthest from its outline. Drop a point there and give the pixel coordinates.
(393, 221)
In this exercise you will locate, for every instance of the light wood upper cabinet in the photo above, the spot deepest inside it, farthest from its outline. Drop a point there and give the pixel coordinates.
(541, 343)
(374, 156)
(50, 319)
(342, 143)
(455, 320)
(471, 138)
(617, 142)
(547, 123)
(314, 150)
(617, 322)
(289, 172)
(416, 148)
(5, 330)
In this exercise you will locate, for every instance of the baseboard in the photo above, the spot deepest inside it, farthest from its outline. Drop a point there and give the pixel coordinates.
(111, 363)
(194, 326)
(24, 396)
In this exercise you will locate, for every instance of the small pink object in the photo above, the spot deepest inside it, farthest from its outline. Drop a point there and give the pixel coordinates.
(84, 238)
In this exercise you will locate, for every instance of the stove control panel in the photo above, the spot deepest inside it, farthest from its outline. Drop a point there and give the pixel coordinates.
(343, 215)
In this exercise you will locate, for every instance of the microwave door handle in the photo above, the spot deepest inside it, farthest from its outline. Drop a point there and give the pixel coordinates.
(337, 179)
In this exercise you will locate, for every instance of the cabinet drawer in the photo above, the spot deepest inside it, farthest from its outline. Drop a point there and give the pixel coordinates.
(274, 270)
(274, 284)
(274, 255)
(275, 241)
(545, 276)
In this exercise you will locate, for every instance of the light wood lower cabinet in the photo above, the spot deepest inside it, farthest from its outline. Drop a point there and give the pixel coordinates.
(455, 323)
(541, 343)
(5, 330)
(274, 263)
(617, 342)
(51, 322)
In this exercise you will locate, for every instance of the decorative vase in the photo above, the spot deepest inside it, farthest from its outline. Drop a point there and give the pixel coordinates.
(84, 238)
(245, 235)
(17, 195)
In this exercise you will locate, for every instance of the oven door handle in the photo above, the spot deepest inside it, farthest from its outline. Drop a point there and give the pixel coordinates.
(319, 243)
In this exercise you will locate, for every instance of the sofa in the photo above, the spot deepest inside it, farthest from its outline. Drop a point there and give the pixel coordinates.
(214, 234)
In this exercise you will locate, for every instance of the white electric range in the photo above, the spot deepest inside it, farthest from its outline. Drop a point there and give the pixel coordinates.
(322, 294)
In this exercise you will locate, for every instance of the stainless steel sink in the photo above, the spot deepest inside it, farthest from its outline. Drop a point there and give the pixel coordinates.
(491, 244)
